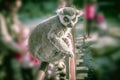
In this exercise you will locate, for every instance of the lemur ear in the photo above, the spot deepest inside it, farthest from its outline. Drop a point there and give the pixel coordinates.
(79, 13)
(59, 11)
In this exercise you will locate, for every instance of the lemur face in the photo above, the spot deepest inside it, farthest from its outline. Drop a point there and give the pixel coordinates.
(69, 16)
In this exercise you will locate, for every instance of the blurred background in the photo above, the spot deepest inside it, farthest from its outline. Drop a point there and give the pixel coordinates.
(100, 27)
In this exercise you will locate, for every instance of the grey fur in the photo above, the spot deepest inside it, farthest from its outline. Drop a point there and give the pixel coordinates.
(51, 40)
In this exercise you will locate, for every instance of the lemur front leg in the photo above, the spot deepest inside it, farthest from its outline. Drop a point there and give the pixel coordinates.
(60, 44)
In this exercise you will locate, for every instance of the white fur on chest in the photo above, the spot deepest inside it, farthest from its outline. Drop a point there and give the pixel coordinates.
(64, 38)
(67, 36)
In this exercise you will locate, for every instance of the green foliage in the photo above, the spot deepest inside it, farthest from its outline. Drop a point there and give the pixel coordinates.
(33, 9)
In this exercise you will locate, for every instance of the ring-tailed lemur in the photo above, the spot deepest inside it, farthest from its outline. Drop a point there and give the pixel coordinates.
(52, 39)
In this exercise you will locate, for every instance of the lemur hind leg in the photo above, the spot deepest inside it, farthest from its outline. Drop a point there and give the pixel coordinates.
(60, 71)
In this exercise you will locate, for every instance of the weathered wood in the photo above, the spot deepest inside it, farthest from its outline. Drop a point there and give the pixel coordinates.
(72, 69)
(82, 76)
(82, 68)
(79, 61)
(41, 71)
(78, 56)
(72, 65)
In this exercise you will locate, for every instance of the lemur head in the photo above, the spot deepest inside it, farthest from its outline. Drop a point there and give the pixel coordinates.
(69, 16)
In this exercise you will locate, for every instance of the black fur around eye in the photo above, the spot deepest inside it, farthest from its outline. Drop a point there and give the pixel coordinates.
(66, 19)
(74, 19)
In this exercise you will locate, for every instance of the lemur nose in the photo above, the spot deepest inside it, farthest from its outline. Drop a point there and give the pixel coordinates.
(70, 25)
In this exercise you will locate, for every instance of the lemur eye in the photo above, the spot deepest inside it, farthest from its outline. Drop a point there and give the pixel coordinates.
(66, 19)
(74, 19)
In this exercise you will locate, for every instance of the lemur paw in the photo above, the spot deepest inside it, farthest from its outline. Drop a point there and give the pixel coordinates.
(71, 54)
